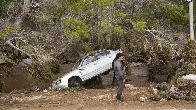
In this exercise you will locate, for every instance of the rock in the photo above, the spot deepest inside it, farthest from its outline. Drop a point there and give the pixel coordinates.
(21, 68)
(129, 86)
(27, 61)
(44, 90)
(2, 61)
(142, 99)
(161, 78)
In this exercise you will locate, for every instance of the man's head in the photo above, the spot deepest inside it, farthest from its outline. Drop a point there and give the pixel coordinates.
(119, 56)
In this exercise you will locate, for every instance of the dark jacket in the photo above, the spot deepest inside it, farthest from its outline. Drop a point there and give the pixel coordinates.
(119, 70)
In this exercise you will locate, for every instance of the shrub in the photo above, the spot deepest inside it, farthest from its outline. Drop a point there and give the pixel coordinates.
(140, 26)
(175, 13)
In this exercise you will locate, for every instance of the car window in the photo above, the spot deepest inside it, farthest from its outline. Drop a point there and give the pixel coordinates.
(99, 54)
(87, 60)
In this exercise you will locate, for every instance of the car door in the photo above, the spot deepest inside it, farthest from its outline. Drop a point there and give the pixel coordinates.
(86, 68)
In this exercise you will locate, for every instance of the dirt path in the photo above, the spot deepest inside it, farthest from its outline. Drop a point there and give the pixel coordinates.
(88, 99)
(94, 99)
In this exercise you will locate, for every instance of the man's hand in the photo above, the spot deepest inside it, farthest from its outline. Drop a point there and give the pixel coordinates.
(124, 81)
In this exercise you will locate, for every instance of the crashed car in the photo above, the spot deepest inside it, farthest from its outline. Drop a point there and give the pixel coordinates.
(86, 68)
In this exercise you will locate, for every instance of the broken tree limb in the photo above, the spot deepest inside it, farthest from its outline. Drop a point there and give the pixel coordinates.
(35, 57)
(13, 46)
(26, 43)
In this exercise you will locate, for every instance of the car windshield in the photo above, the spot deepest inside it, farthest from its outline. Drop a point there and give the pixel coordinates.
(83, 61)
(77, 64)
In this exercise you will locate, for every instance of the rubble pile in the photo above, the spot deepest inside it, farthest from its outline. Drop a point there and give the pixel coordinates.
(183, 84)
(187, 91)
(189, 63)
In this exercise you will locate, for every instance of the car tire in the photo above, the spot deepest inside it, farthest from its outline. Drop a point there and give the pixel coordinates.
(106, 73)
(75, 82)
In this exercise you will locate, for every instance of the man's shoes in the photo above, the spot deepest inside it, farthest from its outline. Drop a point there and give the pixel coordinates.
(119, 99)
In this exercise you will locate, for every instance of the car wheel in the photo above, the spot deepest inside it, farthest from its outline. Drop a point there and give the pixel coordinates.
(75, 82)
(106, 73)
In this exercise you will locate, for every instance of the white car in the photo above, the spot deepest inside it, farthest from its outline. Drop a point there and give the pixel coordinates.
(87, 68)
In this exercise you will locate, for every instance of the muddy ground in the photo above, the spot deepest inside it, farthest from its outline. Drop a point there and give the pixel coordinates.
(136, 95)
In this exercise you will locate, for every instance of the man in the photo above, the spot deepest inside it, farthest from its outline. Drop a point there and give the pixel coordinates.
(119, 74)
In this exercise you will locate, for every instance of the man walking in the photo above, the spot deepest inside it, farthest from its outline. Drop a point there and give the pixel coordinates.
(119, 74)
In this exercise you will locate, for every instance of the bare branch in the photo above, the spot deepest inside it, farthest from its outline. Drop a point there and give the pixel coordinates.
(37, 57)
(154, 31)
(12, 45)
(26, 43)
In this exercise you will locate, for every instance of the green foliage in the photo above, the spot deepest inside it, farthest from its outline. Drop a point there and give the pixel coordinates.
(175, 13)
(140, 26)
(104, 3)
(4, 6)
(108, 29)
(108, 33)
(49, 72)
(42, 18)
(86, 47)
(79, 5)
(77, 30)
(44, 71)
(82, 5)
(7, 32)
(146, 13)
(120, 14)
(58, 11)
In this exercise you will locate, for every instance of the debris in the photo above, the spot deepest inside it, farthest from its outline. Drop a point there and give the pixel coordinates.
(27, 92)
(136, 64)
(173, 89)
(142, 99)
(54, 102)
(44, 90)
(163, 100)
(189, 77)
(35, 89)
(154, 90)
